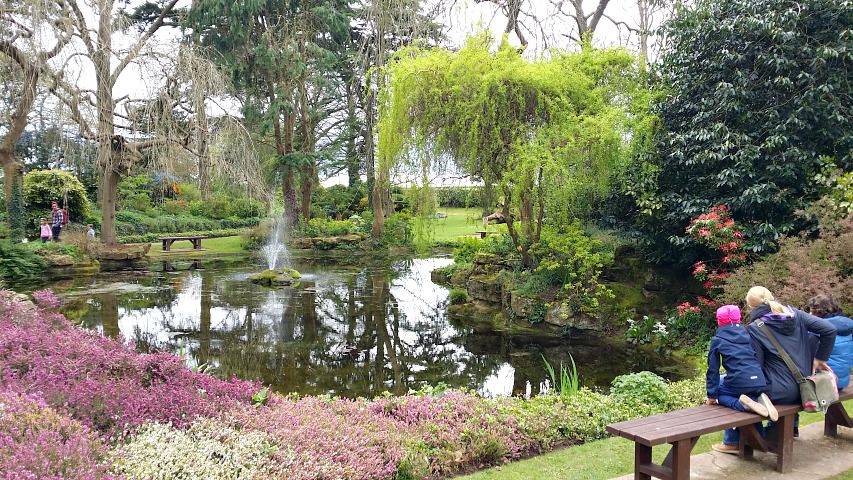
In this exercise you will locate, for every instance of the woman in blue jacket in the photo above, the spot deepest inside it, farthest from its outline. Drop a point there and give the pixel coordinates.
(841, 358)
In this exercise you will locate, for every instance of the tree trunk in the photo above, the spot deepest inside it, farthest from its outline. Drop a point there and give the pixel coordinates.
(307, 188)
(309, 171)
(291, 207)
(369, 150)
(13, 189)
(107, 160)
(109, 195)
(203, 154)
(378, 212)
(352, 156)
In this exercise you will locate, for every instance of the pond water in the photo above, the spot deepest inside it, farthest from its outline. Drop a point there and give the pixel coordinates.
(345, 330)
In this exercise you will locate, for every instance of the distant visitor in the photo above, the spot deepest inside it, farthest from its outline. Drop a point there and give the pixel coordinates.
(58, 221)
(46, 233)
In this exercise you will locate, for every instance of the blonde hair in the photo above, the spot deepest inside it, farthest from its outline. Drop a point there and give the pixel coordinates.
(758, 295)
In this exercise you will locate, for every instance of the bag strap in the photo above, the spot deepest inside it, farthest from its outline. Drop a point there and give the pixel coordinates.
(798, 376)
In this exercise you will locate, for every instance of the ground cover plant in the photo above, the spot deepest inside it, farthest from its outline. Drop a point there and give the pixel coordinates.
(148, 415)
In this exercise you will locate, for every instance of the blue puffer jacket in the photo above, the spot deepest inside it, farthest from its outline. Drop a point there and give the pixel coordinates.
(733, 344)
(841, 358)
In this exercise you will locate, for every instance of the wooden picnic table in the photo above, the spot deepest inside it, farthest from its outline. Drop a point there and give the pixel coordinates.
(168, 241)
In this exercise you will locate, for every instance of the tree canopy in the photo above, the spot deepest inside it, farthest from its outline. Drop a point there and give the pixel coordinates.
(547, 133)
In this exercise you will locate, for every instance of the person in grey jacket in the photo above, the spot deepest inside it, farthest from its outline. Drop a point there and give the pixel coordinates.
(791, 327)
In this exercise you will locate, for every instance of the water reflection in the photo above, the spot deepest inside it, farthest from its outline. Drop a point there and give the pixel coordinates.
(346, 331)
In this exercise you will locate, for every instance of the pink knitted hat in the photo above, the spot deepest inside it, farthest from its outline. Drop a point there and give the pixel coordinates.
(728, 314)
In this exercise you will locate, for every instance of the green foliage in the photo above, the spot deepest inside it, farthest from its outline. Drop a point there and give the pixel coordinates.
(41, 187)
(757, 91)
(838, 185)
(459, 197)
(644, 388)
(458, 296)
(217, 206)
(244, 207)
(324, 227)
(568, 258)
(189, 192)
(134, 193)
(261, 397)
(569, 383)
(17, 213)
(54, 248)
(466, 249)
(19, 263)
(398, 230)
(338, 201)
(546, 133)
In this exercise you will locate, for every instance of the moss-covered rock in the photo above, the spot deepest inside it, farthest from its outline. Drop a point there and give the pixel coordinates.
(486, 288)
(276, 278)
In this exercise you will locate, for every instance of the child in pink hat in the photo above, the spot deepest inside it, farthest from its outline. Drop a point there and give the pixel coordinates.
(742, 387)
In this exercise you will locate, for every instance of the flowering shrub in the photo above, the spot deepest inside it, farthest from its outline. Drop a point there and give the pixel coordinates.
(716, 230)
(328, 438)
(208, 449)
(46, 299)
(38, 443)
(99, 381)
(454, 430)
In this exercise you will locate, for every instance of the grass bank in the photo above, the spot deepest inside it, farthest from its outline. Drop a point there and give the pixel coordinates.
(210, 247)
(462, 222)
(602, 459)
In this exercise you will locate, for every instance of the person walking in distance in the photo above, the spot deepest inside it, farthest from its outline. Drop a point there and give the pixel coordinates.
(58, 220)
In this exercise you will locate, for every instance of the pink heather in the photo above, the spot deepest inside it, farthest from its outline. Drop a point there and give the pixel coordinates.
(66, 392)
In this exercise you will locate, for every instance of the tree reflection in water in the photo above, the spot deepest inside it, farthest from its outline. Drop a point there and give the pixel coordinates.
(352, 332)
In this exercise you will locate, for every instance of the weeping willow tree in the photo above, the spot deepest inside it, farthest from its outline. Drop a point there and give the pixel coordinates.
(545, 134)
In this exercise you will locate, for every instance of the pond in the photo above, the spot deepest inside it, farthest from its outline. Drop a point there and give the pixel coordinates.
(344, 330)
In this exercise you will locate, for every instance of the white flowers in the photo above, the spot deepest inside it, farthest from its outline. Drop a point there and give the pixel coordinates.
(209, 449)
(660, 329)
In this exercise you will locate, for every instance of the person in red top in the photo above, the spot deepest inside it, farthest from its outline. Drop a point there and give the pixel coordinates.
(58, 220)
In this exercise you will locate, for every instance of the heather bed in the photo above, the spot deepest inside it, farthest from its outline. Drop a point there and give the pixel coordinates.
(98, 409)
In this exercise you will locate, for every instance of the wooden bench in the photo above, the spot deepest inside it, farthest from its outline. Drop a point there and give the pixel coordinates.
(485, 233)
(168, 241)
(682, 429)
(837, 416)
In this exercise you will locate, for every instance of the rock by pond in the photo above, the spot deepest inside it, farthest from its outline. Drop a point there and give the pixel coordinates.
(283, 277)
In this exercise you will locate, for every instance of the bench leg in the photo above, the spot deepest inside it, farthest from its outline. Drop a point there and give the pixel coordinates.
(165, 246)
(642, 457)
(785, 444)
(679, 458)
(836, 415)
(750, 439)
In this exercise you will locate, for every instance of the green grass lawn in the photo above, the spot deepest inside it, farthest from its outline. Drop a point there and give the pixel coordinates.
(603, 459)
(461, 222)
(210, 246)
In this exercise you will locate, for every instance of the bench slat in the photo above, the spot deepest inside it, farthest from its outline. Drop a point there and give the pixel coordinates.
(648, 428)
(674, 426)
(637, 422)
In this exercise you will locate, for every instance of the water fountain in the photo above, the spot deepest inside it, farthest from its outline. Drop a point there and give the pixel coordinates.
(276, 247)
(275, 252)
